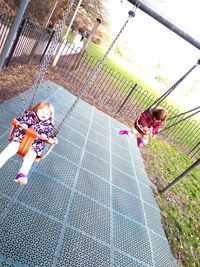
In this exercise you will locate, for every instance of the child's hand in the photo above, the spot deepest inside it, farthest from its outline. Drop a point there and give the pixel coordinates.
(147, 131)
(53, 141)
(151, 131)
(43, 137)
(23, 126)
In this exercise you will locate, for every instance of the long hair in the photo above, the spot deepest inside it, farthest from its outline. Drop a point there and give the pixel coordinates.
(43, 104)
(159, 114)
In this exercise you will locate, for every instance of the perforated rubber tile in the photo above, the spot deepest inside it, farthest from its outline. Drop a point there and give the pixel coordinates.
(125, 182)
(128, 205)
(123, 165)
(132, 238)
(7, 175)
(79, 250)
(159, 244)
(99, 138)
(28, 237)
(58, 168)
(122, 261)
(72, 136)
(120, 151)
(88, 204)
(96, 165)
(94, 187)
(95, 223)
(3, 203)
(98, 150)
(46, 195)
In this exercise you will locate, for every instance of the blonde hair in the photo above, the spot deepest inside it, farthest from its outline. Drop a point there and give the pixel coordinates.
(43, 104)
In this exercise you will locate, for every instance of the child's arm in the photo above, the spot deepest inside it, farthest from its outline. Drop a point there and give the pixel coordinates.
(49, 140)
(156, 129)
(49, 134)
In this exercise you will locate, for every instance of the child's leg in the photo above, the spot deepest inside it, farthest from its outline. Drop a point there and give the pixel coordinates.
(145, 139)
(142, 140)
(28, 161)
(8, 152)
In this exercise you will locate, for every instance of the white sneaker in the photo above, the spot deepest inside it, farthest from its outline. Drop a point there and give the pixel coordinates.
(130, 134)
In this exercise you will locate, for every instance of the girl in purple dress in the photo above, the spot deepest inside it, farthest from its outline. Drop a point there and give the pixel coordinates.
(39, 118)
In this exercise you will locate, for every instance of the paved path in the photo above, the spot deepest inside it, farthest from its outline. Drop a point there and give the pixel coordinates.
(88, 204)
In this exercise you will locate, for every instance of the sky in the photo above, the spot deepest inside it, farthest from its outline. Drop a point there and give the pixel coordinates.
(152, 43)
(183, 13)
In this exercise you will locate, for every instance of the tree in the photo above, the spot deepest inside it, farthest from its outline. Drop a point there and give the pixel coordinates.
(37, 10)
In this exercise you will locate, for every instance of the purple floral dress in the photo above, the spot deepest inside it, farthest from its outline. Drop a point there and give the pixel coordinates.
(33, 122)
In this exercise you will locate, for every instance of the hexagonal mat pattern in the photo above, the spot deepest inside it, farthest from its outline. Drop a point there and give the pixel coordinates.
(88, 204)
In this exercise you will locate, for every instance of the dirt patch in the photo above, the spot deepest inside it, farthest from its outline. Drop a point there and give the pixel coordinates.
(16, 80)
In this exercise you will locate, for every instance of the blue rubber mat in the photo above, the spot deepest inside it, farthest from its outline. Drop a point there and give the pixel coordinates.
(88, 204)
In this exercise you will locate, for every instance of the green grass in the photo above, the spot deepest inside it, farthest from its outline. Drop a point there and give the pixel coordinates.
(97, 52)
(180, 206)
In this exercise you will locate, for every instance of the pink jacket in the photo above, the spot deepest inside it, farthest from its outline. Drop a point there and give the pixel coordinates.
(146, 119)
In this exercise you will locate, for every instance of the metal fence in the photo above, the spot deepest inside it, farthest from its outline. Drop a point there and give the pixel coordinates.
(111, 92)
(27, 34)
(5, 23)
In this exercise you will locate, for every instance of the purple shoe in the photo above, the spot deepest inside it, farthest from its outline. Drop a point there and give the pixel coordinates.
(21, 179)
(121, 132)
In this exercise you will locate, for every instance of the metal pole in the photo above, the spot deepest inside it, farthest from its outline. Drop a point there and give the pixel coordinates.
(47, 46)
(76, 63)
(126, 99)
(72, 20)
(45, 24)
(198, 144)
(172, 125)
(178, 115)
(173, 87)
(13, 31)
(12, 50)
(96, 25)
(166, 22)
(180, 177)
(60, 49)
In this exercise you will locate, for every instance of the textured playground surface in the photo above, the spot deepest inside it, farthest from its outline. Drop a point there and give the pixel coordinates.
(88, 204)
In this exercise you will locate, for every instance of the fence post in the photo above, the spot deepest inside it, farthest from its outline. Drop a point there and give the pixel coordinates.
(180, 177)
(47, 46)
(126, 99)
(45, 24)
(77, 62)
(20, 29)
(60, 47)
(13, 31)
(198, 144)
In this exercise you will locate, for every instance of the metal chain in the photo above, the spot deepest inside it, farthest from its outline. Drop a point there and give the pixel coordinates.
(47, 59)
(161, 99)
(94, 73)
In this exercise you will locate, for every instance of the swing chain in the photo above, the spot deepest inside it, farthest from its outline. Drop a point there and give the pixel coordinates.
(94, 73)
(47, 59)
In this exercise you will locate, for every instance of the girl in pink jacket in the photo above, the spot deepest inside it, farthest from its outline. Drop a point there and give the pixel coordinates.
(147, 124)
